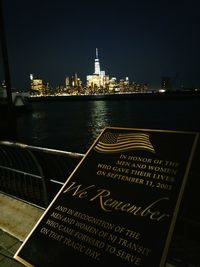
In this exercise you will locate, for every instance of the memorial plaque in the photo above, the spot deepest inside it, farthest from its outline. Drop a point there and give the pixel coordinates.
(119, 206)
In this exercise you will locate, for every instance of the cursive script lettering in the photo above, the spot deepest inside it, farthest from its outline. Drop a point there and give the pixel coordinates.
(104, 199)
(81, 193)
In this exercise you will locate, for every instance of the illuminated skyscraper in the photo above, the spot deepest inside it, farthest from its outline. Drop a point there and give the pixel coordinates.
(97, 70)
(97, 79)
(37, 84)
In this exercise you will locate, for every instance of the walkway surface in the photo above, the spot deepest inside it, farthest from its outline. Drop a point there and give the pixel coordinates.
(17, 218)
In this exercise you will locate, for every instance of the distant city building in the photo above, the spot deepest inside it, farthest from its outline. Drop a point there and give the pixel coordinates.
(67, 83)
(126, 81)
(74, 80)
(98, 79)
(112, 83)
(166, 83)
(37, 85)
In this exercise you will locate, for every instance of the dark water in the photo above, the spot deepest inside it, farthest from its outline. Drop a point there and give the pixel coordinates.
(73, 126)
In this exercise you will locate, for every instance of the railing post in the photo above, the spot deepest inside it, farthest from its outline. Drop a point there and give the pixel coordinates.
(45, 182)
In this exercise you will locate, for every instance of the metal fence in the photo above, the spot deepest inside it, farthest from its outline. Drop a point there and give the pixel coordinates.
(34, 174)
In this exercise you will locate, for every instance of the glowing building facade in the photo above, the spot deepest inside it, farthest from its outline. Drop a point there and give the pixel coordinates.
(36, 83)
(38, 87)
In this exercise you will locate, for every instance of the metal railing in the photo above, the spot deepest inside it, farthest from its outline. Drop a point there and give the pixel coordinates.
(34, 174)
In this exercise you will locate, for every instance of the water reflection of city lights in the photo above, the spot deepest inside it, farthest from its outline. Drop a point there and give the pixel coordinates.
(99, 117)
(39, 125)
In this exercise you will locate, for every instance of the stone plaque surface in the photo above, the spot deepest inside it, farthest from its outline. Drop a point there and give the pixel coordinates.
(120, 204)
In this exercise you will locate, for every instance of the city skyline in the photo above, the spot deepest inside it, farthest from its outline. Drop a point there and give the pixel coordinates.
(144, 41)
(97, 78)
(99, 82)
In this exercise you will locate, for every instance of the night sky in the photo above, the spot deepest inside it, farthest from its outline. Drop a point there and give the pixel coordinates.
(141, 39)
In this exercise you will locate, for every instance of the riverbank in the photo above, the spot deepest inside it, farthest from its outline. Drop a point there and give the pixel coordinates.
(178, 95)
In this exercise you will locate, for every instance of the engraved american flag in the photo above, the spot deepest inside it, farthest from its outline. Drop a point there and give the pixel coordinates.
(121, 142)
